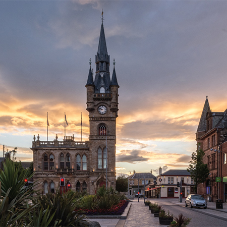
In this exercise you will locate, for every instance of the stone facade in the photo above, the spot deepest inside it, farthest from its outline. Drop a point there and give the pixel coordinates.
(82, 165)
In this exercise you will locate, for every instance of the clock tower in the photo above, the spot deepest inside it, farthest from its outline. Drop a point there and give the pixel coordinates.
(102, 105)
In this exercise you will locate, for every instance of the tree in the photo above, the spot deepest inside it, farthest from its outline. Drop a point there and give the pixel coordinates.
(122, 184)
(199, 171)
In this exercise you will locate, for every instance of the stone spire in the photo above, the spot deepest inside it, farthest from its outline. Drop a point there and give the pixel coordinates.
(203, 123)
(102, 60)
(114, 77)
(102, 49)
(90, 76)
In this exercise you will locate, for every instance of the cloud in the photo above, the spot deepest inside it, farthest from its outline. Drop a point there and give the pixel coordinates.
(131, 157)
(158, 130)
(184, 158)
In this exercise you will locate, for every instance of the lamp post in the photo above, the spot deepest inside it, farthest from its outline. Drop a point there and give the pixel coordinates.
(144, 189)
(138, 188)
(218, 172)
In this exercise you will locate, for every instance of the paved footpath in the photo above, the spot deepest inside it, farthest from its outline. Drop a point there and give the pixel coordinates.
(140, 215)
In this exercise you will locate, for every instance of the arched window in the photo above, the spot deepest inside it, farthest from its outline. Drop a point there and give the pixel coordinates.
(104, 158)
(68, 161)
(84, 186)
(45, 163)
(78, 186)
(102, 130)
(51, 159)
(52, 187)
(45, 188)
(99, 158)
(62, 160)
(102, 90)
(84, 159)
(78, 162)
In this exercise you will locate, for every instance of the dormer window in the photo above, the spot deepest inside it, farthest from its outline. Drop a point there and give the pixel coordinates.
(102, 90)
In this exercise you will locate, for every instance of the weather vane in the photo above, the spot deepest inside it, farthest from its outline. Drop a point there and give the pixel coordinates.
(102, 16)
(90, 62)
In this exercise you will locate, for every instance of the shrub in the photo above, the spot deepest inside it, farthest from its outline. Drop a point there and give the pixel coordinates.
(180, 221)
(164, 215)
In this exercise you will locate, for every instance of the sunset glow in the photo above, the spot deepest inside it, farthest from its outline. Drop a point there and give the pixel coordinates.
(167, 62)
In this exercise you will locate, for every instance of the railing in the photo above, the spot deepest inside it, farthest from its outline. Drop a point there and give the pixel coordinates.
(94, 137)
(102, 96)
(65, 171)
(56, 143)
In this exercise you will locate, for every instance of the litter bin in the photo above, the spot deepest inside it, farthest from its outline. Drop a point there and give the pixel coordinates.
(219, 204)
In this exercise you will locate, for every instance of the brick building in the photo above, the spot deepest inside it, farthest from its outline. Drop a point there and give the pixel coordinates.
(83, 164)
(211, 137)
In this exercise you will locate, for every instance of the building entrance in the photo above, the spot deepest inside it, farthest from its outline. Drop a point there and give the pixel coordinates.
(171, 192)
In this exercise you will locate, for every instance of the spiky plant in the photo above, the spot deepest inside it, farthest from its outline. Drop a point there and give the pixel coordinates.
(62, 206)
(12, 177)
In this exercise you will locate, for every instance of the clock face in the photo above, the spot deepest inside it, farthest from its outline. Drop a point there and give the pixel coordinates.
(102, 109)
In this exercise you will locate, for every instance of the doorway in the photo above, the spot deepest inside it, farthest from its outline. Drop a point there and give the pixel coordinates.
(170, 192)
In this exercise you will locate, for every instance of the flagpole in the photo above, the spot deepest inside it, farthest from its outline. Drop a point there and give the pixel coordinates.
(81, 126)
(64, 124)
(47, 126)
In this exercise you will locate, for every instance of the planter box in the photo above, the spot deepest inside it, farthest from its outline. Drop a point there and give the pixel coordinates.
(165, 221)
(146, 204)
(156, 214)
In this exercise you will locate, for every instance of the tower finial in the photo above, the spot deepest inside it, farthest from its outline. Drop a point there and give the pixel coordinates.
(102, 17)
(114, 62)
(206, 97)
(90, 62)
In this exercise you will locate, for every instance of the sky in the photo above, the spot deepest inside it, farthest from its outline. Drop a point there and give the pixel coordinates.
(169, 56)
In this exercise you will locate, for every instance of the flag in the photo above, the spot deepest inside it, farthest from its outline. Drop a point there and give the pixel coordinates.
(66, 120)
(47, 120)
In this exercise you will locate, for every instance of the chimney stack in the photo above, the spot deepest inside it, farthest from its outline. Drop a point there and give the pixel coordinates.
(160, 170)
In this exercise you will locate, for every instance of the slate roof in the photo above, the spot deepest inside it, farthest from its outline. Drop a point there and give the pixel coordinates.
(102, 81)
(90, 78)
(26, 165)
(102, 77)
(102, 48)
(176, 172)
(114, 79)
(203, 123)
(142, 175)
(223, 122)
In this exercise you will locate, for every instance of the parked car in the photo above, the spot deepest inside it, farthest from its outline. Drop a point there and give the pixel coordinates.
(195, 200)
(140, 195)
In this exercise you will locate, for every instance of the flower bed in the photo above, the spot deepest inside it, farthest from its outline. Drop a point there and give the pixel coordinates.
(114, 210)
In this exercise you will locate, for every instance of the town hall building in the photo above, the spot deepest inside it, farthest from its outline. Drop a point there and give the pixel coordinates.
(91, 164)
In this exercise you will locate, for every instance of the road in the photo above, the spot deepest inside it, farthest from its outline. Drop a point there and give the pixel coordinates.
(198, 218)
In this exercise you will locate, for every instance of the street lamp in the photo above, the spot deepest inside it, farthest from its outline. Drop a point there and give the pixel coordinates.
(218, 151)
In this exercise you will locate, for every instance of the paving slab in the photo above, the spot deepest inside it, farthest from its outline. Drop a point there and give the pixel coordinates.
(140, 215)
